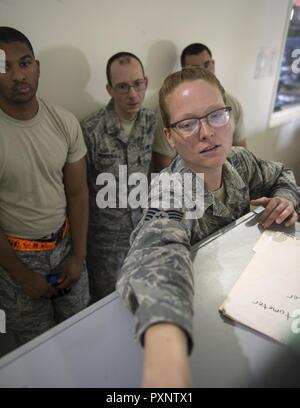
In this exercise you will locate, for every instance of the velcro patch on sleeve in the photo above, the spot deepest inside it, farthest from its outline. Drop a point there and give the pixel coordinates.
(156, 213)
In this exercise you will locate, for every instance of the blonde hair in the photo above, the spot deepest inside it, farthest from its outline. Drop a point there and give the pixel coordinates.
(189, 73)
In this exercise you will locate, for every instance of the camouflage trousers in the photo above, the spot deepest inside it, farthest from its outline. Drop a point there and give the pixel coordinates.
(104, 262)
(26, 317)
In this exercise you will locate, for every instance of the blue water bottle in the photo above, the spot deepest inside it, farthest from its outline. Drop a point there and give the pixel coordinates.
(52, 280)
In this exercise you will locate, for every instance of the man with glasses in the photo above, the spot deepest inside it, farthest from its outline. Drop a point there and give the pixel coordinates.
(157, 277)
(200, 55)
(120, 134)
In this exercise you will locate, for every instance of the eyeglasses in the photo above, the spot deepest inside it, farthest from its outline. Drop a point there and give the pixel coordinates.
(124, 87)
(216, 119)
(207, 64)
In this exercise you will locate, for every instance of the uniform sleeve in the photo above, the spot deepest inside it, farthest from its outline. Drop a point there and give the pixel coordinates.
(156, 281)
(268, 178)
(160, 144)
(77, 148)
(153, 125)
(239, 132)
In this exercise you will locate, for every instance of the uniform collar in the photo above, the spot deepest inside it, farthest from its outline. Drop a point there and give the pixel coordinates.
(235, 188)
(113, 124)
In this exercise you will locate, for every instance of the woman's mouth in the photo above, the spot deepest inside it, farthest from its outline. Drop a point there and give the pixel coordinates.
(209, 149)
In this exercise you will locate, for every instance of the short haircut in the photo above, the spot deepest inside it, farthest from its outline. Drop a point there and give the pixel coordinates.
(124, 58)
(9, 35)
(193, 49)
(190, 73)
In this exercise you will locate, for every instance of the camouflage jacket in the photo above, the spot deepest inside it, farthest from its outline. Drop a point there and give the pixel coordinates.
(108, 147)
(157, 280)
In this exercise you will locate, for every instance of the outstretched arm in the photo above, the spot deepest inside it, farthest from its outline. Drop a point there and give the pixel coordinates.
(166, 357)
(157, 285)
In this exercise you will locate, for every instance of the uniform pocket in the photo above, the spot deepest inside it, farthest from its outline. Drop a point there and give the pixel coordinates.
(145, 158)
(106, 162)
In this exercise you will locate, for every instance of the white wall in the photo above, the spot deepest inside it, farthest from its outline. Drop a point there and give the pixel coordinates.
(74, 38)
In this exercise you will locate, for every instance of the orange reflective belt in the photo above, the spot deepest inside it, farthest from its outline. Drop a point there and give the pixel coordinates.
(19, 244)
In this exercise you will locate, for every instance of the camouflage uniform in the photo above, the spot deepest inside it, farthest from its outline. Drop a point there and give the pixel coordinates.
(109, 229)
(157, 280)
(33, 204)
(27, 317)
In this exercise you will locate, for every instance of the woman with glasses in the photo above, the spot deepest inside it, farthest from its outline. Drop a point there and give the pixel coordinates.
(157, 281)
